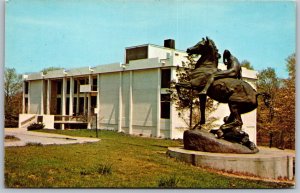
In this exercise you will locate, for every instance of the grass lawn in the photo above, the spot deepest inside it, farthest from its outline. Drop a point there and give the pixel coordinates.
(118, 160)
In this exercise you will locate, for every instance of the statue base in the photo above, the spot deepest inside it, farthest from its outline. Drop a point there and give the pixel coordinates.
(207, 142)
(268, 163)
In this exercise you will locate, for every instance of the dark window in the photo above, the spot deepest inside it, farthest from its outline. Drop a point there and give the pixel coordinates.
(26, 87)
(58, 106)
(81, 105)
(26, 105)
(82, 81)
(39, 119)
(59, 84)
(165, 106)
(68, 87)
(94, 86)
(136, 53)
(75, 86)
(165, 78)
(74, 104)
(93, 102)
(67, 105)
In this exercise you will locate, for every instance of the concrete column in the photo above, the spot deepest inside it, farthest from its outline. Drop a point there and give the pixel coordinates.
(89, 104)
(158, 103)
(28, 96)
(172, 107)
(84, 104)
(290, 167)
(64, 94)
(71, 96)
(130, 104)
(120, 104)
(23, 98)
(48, 96)
(77, 100)
(42, 98)
(98, 101)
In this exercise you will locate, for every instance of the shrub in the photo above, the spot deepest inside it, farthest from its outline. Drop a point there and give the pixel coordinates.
(168, 182)
(35, 126)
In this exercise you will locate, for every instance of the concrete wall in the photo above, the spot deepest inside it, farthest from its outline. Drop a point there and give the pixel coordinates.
(35, 87)
(125, 100)
(48, 121)
(27, 119)
(109, 84)
(144, 99)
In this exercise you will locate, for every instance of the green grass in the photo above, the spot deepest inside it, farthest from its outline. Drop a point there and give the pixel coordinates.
(118, 160)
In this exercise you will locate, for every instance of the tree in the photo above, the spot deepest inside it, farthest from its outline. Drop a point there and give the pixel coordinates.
(246, 64)
(267, 82)
(13, 96)
(280, 119)
(189, 110)
(285, 107)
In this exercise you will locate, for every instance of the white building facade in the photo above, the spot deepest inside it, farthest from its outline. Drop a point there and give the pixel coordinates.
(130, 97)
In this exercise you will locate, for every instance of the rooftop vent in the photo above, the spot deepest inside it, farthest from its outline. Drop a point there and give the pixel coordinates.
(169, 43)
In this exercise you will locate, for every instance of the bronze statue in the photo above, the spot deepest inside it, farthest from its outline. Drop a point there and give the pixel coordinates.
(224, 87)
(234, 70)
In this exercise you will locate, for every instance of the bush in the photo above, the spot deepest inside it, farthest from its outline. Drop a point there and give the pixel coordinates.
(168, 182)
(35, 126)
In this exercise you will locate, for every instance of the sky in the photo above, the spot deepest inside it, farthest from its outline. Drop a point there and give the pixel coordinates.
(78, 33)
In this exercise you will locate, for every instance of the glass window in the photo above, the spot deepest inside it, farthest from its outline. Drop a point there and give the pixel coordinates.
(165, 106)
(165, 78)
(26, 87)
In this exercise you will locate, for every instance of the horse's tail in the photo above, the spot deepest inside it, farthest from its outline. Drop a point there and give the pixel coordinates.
(267, 98)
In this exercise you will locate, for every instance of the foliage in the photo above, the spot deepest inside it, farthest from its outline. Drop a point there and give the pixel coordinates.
(46, 70)
(247, 64)
(35, 126)
(13, 97)
(279, 120)
(138, 162)
(192, 103)
(168, 182)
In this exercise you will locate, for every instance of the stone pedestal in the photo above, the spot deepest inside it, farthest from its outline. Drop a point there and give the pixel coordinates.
(268, 163)
(206, 142)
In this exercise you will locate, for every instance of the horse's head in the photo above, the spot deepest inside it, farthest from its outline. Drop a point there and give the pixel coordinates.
(199, 48)
(207, 49)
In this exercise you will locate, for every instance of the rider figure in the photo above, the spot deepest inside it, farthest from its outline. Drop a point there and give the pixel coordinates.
(234, 70)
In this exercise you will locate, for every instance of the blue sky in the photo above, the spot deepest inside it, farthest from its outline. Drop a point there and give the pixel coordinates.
(76, 33)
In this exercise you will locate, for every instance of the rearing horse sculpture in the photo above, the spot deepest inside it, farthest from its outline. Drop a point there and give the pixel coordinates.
(239, 95)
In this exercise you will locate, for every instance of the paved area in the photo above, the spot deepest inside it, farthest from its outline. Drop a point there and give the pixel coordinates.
(42, 138)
